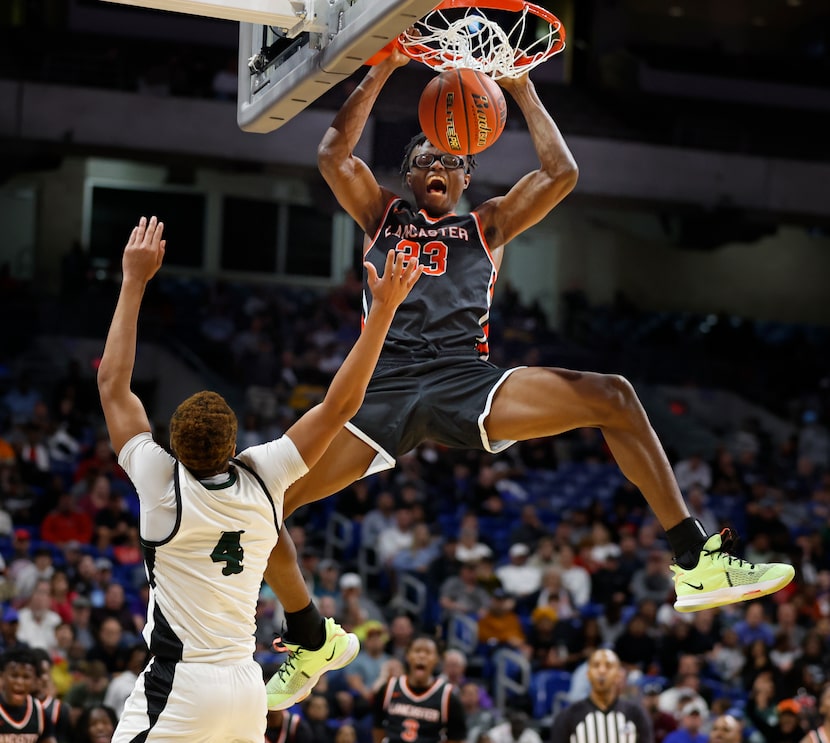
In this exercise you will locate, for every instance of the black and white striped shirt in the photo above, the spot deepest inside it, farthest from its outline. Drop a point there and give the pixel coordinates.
(584, 722)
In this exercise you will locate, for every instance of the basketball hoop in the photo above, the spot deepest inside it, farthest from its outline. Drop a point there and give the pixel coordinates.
(458, 33)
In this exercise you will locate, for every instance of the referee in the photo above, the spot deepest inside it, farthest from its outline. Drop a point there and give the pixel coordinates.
(603, 717)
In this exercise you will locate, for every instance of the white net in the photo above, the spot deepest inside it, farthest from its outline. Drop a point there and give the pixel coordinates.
(496, 42)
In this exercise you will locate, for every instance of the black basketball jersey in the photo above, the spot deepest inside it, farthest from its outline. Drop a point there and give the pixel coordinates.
(25, 724)
(447, 313)
(427, 715)
(58, 715)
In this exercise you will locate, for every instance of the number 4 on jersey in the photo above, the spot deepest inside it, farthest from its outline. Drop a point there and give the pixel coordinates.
(229, 550)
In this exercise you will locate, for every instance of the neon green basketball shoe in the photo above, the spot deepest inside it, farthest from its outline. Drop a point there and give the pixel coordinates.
(299, 673)
(720, 578)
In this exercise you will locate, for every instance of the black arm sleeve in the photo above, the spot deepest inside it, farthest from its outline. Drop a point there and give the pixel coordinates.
(456, 720)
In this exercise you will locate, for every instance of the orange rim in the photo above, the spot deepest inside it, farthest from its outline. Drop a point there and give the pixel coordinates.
(516, 6)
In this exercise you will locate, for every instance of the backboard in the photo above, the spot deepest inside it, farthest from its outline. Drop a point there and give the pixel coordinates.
(282, 69)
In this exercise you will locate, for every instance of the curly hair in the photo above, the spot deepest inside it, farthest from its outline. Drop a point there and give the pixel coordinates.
(203, 433)
(417, 141)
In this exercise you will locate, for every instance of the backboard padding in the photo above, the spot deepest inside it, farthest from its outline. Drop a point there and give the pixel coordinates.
(321, 60)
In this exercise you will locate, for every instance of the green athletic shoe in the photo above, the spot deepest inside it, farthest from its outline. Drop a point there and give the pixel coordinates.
(302, 669)
(720, 578)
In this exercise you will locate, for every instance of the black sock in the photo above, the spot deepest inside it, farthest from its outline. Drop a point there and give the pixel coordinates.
(685, 541)
(305, 627)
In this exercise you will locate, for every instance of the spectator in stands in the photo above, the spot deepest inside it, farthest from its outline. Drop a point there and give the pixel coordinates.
(316, 711)
(624, 719)
(515, 729)
(66, 523)
(381, 517)
(361, 673)
(21, 399)
(102, 461)
(25, 572)
(109, 646)
(94, 493)
(523, 580)
(757, 663)
(693, 719)
(653, 581)
(661, 722)
(461, 594)
(609, 582)
(401, 632)
(115, 606)
(500, 625)
(397, 537)
(726, 478)
(554, 594)
(478, 719)
(61, 595)
(698, 502)
(544, 556)
(115, 525)
(420, 554)
(575, 578)
(454, 669)
(543, 640)
(755, 626)
(821, 733)
(9, 622)
(327, 578)
(693, 470)
(814, 440)
(530, 528)
(635, 647)
(470, 548)
(34, 461)
(727, 657)
(95, 724)
(811, 667)
(19, 497)
(686, 689)
(82, 622)
(354, 607)
(88, 689)
(726, 729)
(37, 620)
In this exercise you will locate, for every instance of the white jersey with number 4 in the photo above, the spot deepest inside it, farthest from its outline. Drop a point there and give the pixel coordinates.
(206, 545)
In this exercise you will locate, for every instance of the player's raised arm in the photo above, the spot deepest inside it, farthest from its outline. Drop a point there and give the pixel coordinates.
(536, 193)
(124, 412)
(315, 430)
(349, 178)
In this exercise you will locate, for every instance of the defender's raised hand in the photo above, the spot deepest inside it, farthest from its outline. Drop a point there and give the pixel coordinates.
(144, 251)
(399, 276)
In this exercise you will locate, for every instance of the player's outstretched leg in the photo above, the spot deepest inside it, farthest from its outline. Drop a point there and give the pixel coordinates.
(301, 671)
(720, 578)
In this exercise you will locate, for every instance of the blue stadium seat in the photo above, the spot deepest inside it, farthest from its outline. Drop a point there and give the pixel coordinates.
(544, 686)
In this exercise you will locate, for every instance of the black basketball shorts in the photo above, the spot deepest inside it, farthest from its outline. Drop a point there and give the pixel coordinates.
(443, 400)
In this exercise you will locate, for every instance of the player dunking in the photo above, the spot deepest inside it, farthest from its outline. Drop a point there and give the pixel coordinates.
(209, 519)
(433, 380)
(419, 706)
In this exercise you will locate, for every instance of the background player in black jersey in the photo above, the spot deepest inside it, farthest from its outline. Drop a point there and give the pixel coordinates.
(419, 706)
(55, 709)
(433, 380)
(22, 719)
(603, 717)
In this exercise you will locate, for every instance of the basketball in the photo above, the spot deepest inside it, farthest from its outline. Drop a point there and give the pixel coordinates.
(462, 111)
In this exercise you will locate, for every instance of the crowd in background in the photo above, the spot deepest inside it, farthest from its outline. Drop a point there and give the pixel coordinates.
(488, 537)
